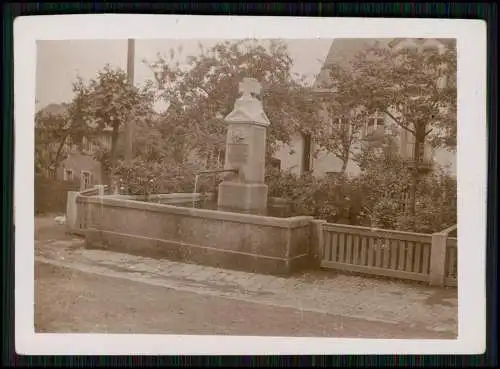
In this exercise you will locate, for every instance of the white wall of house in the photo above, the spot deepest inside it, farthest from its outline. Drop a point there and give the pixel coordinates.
(291, 154)
(447, 159)
(324, 162)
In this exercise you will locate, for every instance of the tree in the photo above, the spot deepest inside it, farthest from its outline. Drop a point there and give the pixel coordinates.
(436, 204)
(203, 92)
(51, 133)
(383, 181)
(109, 101)
(155, 168)
(145, 177)
(416, 88)
(341, 114)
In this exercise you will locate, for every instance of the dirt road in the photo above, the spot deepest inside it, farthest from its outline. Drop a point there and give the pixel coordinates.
(69, 301)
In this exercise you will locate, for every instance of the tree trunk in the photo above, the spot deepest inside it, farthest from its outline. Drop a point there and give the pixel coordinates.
(104, 175)
(415, 177)
(344, 166)
(57, 160)
(306, 157)
(413, 191)
(112, 155)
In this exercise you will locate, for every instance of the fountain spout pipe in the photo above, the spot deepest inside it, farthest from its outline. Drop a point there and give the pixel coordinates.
(210, 171)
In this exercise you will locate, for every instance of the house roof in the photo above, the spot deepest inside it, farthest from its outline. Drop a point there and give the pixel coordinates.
(344, 50)
(55, 109)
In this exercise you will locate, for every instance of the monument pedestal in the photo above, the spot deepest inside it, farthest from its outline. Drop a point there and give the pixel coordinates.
(245, 191)
(246, 197)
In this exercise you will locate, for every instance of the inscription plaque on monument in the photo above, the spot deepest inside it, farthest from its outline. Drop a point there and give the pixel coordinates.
(238, 153)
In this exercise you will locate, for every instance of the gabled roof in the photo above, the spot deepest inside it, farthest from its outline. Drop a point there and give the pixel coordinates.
(55, 109)
(449, 42)
(344, 50)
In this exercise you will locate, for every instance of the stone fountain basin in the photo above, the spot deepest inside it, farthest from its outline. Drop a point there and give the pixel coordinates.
(247, 242)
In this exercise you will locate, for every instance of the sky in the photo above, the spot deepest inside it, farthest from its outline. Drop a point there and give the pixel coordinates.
(60, 62)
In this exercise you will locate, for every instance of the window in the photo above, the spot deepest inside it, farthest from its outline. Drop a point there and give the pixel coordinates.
(68, 144)
(373, 123)
(52, 173)
(68, 174)
(88, 145)
(106, 139)
(337, 123)
(86, 179)
(276, 163)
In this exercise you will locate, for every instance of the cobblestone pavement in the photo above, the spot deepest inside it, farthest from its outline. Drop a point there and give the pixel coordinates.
(418, 306)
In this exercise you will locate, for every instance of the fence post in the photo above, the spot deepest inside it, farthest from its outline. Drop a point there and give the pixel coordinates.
(100, 188)
(80, 216)
(71, 211)
(438, 259)
(317, 243)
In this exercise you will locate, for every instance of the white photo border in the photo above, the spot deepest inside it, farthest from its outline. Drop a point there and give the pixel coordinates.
(471, 172)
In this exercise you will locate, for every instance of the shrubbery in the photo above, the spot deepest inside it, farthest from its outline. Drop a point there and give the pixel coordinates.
(149, 177)
(330, 198)
(357, 201)
(364, 200)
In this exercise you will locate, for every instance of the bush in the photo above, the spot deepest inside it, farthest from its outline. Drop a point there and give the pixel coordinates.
(51, 194)
(372, 200)
(327, 198)
(360, 201)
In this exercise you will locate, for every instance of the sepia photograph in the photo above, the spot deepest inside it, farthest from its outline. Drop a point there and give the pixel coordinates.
(248, 186)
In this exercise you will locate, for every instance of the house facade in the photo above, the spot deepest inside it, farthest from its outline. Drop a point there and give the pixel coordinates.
(79, 163)
(304, 155)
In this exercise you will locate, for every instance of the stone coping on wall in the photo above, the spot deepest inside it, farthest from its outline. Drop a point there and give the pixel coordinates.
(132, 203)
(190, 197)
(183, 196)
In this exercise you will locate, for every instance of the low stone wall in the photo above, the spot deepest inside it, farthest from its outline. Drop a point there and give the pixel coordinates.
(167, 198)
(73, 213)
(227, 240)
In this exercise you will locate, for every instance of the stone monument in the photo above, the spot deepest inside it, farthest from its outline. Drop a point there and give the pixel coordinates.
(246, 153)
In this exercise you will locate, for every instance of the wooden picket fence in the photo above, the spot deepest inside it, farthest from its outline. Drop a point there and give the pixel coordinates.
(450, 274)
(388, 253)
